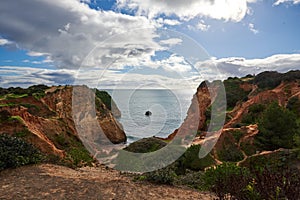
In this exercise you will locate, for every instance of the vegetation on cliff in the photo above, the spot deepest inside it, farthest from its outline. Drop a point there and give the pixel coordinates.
(256, 156)
(15, 152)
(258, 152)
(41, 116)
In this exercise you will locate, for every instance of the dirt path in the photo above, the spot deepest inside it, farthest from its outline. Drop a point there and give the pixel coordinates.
(57, 182)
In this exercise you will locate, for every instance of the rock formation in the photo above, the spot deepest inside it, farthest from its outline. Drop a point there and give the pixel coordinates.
(45, 119)
(245, 94)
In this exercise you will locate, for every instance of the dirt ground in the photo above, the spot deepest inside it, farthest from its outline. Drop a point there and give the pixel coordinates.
(48, 181)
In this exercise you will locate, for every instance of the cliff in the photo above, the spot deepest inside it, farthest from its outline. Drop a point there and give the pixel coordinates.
(43, 116)
(248, 100)
(249, 130)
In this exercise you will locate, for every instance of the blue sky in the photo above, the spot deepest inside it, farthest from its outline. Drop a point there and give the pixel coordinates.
(94, 42)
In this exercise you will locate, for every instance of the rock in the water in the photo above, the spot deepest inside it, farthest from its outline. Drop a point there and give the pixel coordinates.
(148, 113)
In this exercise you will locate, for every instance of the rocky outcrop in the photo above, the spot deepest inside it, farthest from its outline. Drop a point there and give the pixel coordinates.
(235, 135)
(48, 123)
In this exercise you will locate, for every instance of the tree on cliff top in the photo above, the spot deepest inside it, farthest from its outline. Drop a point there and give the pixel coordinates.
(278, 128)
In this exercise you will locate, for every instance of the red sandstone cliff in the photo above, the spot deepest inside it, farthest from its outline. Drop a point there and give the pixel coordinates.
(48, 123)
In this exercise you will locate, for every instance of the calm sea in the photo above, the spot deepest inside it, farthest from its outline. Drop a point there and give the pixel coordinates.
(168, 108)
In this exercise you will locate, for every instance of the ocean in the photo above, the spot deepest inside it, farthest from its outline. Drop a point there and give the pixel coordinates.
(168, 108)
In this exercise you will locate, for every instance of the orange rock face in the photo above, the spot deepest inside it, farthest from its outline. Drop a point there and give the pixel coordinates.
(48, 122)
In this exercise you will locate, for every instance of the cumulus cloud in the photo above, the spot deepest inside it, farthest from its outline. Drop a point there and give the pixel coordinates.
(172, 72)
(171, 41)
(36, 54)
(253, 29)
(170, 22)
(278, 2)
(4, 42)
(236, 66)
(66, 30)
(14, 76)
(186, 10)
(202, 26)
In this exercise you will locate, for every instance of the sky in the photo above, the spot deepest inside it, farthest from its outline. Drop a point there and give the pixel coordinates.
(145, 43)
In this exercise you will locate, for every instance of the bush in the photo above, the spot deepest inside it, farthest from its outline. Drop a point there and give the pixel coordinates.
(4, 115)
(79, 156)
(281, 184)
(189, 163)
(237, 134)
(254, 113)
(108, 101)
(15, 152)
(76, 153)
(234, 93)
(166, 175)
(229, 152)
(271, 79)
(146, 145)
(294, 105)
(191, 179)
(278, 128)
(227, 179)
(268, 80)
(248, 148)
(190, 160)
(37, 91)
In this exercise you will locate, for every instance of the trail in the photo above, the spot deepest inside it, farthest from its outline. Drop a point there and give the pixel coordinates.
(57, 182)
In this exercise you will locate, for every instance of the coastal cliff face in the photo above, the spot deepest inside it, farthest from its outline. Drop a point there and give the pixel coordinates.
(248, 98)
(43, 117)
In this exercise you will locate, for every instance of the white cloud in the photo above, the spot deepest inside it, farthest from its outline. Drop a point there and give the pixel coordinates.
(237, 66)
(186, 10)
(4, 42)
(171, 41)
(278, 2)
(202, 26)
(253, 29)
(172, 72)
(14, 76)
(67, 30)
(36, 54)
(170, 22)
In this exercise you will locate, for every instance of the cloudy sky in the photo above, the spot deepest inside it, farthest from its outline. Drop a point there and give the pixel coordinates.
(145, 43)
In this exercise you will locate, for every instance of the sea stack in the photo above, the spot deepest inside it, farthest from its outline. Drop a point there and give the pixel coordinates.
(148, 113)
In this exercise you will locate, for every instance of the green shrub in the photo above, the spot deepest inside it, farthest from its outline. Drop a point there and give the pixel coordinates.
(277, 184)
(4, 115)
(271, 79)
(248, 148)
(25, 132)
(294, 105)
(16, 96)
(234, 93)
(278, 128)
(191, 179)
(190, 160)
(79, 156)
(166, 175)
(237, 134)
(267, 80)
(227, 179)
(146, 145)
(254, 113)
(15, 152)
(37, 91)
(105, 98)
(229, 152)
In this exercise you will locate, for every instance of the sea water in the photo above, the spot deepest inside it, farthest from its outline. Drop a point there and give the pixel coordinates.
(168, 108)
